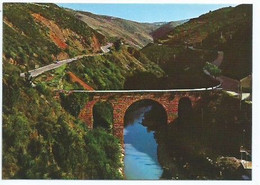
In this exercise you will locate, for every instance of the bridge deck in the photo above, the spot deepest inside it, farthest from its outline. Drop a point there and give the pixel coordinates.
(147, 91)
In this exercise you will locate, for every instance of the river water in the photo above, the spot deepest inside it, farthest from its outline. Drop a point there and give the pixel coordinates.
(141, 161)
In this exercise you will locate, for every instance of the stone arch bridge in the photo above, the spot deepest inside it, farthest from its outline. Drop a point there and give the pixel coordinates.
(122, 100)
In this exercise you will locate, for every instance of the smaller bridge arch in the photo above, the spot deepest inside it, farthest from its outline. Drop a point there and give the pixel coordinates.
(103, 115)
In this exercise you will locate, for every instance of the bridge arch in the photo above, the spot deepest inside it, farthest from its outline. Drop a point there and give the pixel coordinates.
(154, 108)
(103, 115)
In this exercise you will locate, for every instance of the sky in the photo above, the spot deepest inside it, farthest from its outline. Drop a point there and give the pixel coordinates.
(147, 12)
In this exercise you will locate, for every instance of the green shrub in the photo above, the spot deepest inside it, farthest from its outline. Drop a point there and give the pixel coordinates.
(41, 87)
(212, 69)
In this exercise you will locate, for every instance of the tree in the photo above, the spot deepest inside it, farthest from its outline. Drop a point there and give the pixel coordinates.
(142, 80)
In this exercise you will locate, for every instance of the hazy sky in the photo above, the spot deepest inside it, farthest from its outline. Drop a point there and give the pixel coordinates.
(147, 12)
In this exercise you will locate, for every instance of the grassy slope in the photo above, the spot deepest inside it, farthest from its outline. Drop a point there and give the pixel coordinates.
(109, 71)
(182, 66)
(29, 48)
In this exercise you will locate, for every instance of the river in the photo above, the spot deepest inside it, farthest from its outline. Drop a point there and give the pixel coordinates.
(141, 160)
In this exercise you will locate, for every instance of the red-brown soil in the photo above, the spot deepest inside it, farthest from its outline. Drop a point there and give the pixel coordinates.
(74, 78)
(95, 44)
(55, 34)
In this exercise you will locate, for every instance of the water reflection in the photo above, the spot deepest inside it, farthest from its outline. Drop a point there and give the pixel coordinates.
(141, 161)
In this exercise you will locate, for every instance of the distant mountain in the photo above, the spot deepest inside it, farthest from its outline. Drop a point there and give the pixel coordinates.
(165, 28)
(134, 33)
(159, 23)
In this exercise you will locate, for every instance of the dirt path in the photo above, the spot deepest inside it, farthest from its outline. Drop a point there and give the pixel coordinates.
(74, 78)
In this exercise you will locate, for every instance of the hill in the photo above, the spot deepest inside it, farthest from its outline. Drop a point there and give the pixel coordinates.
(227, 29)
(134, 33)
(36, 35)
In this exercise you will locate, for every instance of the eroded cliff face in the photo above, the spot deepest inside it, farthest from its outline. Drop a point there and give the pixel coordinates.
(55, 33)
(95, 44)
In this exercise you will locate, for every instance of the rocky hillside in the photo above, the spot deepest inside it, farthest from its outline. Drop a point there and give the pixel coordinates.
(227, 29)
(134, 33)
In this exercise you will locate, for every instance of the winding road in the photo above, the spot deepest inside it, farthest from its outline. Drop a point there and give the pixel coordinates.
(56, 64)
(40, 70)
(227, 83)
